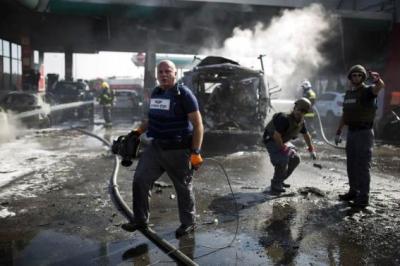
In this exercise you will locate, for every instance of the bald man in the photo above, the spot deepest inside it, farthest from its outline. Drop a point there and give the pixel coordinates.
(175, 124)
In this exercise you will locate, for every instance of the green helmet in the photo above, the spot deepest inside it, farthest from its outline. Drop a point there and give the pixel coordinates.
(303, 104)
(358, 69)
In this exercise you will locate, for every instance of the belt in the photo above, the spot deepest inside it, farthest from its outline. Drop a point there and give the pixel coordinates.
(173, 144)
(359, 128)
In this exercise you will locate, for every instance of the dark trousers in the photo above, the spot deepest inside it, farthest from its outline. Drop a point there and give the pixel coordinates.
(152, 164)
(359, 153)
(284, 165)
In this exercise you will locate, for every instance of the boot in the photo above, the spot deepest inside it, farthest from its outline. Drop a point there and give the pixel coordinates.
(277, 187)
(360, 202)
(278, 190)
(348, 196)
(133, 226)
(184, 230)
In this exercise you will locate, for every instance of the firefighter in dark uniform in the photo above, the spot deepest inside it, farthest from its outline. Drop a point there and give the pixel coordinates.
(359, 108)
(175, 125)
(277, 135)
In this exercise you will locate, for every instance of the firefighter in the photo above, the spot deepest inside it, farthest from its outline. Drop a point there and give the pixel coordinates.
(309, 93)
(175, 124)
(359, 108)
(106, 100)
(277, 135)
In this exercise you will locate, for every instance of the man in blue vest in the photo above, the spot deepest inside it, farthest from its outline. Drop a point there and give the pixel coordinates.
(277, 135)
(359, 108)
(175, 125)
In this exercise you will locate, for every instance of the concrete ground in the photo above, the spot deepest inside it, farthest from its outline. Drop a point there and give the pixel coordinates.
(57, 210)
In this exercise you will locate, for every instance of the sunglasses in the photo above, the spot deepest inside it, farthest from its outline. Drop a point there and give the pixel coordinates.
(304, 111)
(357, 75)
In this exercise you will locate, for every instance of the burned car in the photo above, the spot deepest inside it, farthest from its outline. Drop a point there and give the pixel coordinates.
(231, 97)
(388, 127)
(30, 108)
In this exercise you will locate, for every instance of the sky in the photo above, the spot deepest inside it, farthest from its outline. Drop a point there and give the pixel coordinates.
(91, 66)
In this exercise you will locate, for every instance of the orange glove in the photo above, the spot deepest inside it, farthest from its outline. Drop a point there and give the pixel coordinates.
(137, 131)
(196, 161)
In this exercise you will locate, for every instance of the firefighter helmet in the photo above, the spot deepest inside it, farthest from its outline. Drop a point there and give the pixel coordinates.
(358, 69)
(306, 85)
(104, 85)
(303, 104)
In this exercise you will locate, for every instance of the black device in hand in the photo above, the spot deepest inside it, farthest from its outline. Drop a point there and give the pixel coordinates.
(127, 147)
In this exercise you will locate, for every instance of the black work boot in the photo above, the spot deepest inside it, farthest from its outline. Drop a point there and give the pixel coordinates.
(285, 185)
(360, 202)
(348, 196)
(184, 230)
(277, 190)
(133, 226)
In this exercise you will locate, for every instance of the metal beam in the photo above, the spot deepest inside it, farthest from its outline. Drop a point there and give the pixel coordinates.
(365, 15)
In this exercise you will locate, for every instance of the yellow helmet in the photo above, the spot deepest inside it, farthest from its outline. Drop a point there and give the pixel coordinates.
(104, 85)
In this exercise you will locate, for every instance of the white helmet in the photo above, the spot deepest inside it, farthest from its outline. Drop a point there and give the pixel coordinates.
(306, 84)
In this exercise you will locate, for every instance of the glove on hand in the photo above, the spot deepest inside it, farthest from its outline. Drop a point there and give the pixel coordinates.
(338, 137)
(374, 76)
(287, 151)
(135, 132)
(196, 161)
(312, 152)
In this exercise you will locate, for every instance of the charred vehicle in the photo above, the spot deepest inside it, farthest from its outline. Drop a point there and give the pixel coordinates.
(388, 127)
(231, 97)
(30, 108)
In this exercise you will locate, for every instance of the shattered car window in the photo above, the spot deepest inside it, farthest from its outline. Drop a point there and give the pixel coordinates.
(230, 96)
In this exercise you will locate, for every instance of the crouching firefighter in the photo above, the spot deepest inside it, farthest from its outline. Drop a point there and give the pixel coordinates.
(277, 135)
(175, 125)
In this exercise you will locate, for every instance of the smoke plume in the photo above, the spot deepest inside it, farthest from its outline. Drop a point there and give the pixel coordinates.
(290, 44)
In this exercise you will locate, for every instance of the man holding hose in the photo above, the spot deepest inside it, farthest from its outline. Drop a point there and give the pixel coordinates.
(175, 124)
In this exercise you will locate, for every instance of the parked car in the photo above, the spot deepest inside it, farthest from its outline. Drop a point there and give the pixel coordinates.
(65, 92)
(330, 105)
(29, 107)
(69, 91)
(128, 102)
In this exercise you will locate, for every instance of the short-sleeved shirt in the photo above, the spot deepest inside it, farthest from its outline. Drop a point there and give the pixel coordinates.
(281, 124)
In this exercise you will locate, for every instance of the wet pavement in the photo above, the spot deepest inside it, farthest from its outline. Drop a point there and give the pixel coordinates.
(55, 208)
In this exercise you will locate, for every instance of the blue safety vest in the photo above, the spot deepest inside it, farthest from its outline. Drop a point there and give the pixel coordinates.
(168, 118)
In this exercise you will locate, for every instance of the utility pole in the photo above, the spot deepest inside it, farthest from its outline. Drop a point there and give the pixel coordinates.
(261, 60)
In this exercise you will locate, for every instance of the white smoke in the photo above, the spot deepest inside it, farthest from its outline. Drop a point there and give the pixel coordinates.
(290, 44)
(8, 127)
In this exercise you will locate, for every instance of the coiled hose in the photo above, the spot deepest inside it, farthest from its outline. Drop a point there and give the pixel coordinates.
(116, 198)
(164, 245)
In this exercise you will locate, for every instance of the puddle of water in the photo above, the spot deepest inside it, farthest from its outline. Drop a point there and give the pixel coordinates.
(273, 245)
(49, 247)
